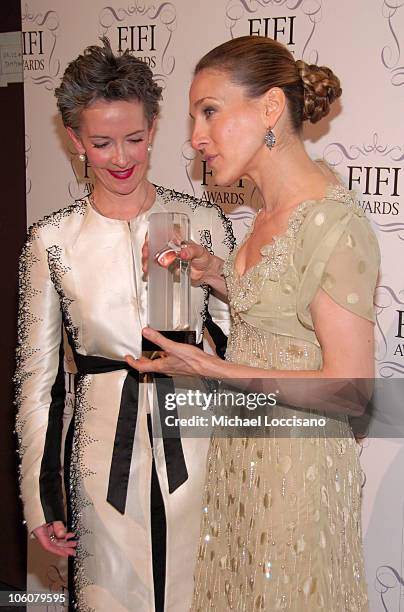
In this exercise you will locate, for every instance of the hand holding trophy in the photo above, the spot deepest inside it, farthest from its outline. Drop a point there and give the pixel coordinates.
(168, 280)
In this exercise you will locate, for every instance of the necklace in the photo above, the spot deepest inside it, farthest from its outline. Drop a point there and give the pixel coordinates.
(94, 205)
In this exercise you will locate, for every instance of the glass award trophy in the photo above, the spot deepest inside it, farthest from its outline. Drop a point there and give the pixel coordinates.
(168, 280)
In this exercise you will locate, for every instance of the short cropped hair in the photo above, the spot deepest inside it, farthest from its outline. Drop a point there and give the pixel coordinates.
(98, 74)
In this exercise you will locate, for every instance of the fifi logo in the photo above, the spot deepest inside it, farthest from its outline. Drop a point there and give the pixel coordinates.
(234, 195)
(145, 30)
(201, 183)
(278, 28)
(379, 182)
(374, 170)
(139, 39)
(399, 350)
(282, 20)
(389, 309)
(39, 37)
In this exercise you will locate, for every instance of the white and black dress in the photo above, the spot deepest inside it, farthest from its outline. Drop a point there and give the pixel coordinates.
(83, 270)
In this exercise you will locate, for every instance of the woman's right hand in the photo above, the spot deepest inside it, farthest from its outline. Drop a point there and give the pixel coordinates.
(204, 267)
(201, 261)
(54, 539)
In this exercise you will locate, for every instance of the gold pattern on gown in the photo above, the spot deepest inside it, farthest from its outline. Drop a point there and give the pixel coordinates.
(281, 522)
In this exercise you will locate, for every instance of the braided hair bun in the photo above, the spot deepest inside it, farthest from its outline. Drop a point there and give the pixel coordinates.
(321, 88)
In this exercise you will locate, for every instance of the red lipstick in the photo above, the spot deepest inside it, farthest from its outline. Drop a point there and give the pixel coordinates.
(122, 175)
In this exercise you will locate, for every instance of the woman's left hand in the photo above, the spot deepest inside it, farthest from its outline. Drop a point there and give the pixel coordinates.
(178, 359)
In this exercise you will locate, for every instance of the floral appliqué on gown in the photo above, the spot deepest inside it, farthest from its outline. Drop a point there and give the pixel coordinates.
(281, 522)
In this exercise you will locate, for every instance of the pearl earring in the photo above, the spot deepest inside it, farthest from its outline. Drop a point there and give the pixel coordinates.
(83, 157)
(149, 148)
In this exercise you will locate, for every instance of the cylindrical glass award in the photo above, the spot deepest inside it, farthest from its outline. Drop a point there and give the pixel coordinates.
(168, 279)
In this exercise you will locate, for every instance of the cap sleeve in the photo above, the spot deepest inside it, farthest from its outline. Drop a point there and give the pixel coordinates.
(337, 251)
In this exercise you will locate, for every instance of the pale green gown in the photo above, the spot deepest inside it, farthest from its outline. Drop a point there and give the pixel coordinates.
(281, 522)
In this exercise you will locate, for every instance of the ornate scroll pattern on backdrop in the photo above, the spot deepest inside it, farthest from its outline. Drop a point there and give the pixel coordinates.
(391, 53)
(386, 302)
(312, 9)
(391, 228)
(163, 12)
(188, 155)
(387, 578)
(337, 154)
(241, 219)
(48, 23)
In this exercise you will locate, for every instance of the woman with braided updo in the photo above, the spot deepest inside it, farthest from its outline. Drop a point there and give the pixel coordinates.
(282, 514)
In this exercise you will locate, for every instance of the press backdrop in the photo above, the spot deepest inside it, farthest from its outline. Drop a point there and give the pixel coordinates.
(363, 140)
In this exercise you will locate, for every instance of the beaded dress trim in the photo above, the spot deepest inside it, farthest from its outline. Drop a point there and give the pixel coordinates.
(244, 290)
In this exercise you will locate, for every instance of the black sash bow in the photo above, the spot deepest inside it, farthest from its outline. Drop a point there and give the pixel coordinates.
(176, 468)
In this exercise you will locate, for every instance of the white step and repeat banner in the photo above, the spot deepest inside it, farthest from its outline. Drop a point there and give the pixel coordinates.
(363, 139)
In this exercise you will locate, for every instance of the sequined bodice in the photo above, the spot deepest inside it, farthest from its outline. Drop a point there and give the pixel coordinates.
(281, 517)
(267, 325)
(244, 290)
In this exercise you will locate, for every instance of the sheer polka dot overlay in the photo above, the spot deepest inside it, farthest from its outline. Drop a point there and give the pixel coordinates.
(281, 522)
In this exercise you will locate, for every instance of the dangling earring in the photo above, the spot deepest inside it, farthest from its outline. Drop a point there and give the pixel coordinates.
(83, 157)
(270, 139)
(149, 148)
